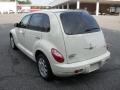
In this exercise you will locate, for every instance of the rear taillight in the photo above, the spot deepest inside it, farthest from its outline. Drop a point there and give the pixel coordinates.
(57, 55)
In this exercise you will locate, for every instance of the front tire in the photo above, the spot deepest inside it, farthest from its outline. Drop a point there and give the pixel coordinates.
(12, 43)
(44, 67)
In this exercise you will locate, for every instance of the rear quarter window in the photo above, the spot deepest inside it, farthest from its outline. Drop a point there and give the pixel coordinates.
(78, 23)
(40, 22)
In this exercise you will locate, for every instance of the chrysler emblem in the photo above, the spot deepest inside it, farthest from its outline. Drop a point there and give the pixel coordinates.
(91, 47)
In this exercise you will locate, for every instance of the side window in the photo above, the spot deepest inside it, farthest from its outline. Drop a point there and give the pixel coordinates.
(39, 22)
(36, 22)
(24, 22)
(46, 23)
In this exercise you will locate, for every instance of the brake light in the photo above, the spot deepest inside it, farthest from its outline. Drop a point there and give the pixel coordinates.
(57, 55)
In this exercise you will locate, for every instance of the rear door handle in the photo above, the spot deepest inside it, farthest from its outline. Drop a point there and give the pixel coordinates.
(37, 37)
(22, 32)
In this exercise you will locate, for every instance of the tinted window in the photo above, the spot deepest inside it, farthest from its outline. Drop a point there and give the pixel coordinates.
(46, 22)
(78, 23)
(39, 22)
(24, 21)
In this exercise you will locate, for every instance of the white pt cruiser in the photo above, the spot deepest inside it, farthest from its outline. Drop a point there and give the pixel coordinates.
(62, 42)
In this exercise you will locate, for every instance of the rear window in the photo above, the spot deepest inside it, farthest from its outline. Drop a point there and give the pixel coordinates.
(78, 23)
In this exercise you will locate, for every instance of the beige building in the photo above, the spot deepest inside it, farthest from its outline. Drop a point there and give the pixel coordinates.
(93, 6)
(8, 6)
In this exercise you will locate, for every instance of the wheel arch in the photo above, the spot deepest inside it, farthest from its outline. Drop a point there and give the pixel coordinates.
(39, 52)
(43, 47)
(13, 33)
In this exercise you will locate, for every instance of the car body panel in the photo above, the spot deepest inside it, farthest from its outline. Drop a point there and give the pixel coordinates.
(82, 67)
(85, 46)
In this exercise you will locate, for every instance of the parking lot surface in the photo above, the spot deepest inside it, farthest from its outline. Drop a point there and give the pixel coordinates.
(18, 72)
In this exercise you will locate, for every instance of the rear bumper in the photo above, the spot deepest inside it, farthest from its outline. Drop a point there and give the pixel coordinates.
(80, 67)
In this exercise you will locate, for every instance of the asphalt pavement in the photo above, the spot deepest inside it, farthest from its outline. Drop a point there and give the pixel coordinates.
(18, 72)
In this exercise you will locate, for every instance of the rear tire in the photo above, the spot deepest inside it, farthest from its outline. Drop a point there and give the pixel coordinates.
(44, 67)
(12, 43)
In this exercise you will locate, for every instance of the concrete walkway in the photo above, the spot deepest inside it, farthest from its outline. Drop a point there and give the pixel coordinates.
(109, 22)
(9, 18)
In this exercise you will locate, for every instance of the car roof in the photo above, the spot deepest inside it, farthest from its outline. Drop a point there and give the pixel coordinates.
(53, 11)
(57, 11)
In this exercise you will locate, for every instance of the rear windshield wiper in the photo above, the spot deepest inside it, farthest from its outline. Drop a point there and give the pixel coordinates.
(92, 29)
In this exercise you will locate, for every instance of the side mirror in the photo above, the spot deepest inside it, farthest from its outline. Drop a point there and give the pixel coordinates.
(16, 25)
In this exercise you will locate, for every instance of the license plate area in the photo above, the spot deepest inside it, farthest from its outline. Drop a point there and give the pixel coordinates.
(95, 66)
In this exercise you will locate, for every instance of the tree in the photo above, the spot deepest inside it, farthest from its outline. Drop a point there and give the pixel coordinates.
(23, 1)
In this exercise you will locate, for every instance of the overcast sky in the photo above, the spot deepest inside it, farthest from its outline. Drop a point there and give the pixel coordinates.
(41, 1)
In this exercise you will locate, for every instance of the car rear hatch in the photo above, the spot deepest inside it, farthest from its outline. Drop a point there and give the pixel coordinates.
(83, 38)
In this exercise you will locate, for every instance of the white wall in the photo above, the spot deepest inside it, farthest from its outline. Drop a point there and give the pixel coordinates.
(7, 6)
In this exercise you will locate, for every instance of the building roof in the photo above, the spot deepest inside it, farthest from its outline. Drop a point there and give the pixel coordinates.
(58, 2)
